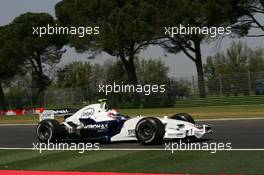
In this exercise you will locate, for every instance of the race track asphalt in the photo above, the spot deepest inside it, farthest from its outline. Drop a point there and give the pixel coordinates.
(242, 134)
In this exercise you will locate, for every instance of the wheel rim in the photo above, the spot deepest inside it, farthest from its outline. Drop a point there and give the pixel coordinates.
(146, 131)
(44, 133)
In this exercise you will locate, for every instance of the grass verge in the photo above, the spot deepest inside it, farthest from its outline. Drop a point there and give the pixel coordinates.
(233, 162)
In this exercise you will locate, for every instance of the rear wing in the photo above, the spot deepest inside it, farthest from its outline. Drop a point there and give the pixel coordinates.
(51, 114)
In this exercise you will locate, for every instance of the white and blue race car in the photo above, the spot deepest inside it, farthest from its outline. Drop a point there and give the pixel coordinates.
(97, 122)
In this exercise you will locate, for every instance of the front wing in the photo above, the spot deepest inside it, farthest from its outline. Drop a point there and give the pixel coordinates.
(173, 129)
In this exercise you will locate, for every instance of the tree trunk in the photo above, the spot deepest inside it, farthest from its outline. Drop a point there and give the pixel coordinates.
(131, 73)
(2, 98)
(199, 68)
(38, 78)
(130, 69)
(40, 95)
(41, 83)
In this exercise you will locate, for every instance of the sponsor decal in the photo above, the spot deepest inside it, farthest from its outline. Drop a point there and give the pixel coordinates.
(97, 126)
(88, 112)
(131, 132)
(48, 114)
(61, 111)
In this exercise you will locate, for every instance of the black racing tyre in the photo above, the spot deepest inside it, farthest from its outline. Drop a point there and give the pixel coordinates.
(50, 130)
(184, 117)
(150, 130)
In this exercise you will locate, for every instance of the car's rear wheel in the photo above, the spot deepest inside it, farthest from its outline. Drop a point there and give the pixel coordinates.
(49, 131)
(150, 131)
(184, 117)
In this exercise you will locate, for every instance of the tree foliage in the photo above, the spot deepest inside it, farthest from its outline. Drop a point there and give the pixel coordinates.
(209, 13)
(238, 58)
(231, 71)
(11, 59)
(76, 74)
(39, 52)
(126, 27)
(251, 18)
(152, 71)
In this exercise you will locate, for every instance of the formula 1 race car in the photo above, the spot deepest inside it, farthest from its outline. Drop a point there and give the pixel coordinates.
(96, 122)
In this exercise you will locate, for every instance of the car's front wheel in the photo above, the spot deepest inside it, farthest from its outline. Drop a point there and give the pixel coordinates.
(49, 131)
(150, 130)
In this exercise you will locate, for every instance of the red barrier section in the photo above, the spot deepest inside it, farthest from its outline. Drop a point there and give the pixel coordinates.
(13, 172)
(22, 111)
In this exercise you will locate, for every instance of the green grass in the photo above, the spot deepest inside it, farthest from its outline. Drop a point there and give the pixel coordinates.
(221, 101)
(233, 162)
(206, 112)
(195, 102)
(203, 112)
(179, 103)
(190, 102)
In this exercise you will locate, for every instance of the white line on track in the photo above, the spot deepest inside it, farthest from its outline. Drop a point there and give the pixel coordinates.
(6, 148)
(133, 149)
(231, 119)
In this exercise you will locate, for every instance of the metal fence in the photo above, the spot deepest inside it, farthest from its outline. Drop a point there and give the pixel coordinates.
(84, 95)
(239, 84)
(244, 83)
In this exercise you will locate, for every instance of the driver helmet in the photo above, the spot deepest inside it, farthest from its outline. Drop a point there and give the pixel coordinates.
(112, 113)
